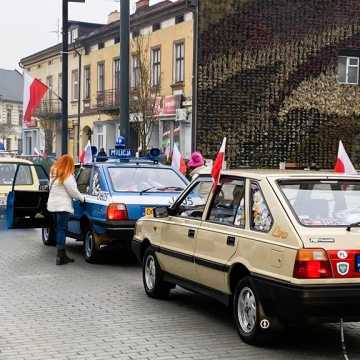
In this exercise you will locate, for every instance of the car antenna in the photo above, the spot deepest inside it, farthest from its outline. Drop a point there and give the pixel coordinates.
(342, 338)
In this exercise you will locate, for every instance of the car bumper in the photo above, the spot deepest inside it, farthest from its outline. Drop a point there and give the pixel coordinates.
(114, 232)
(324, 303)
(136, 247)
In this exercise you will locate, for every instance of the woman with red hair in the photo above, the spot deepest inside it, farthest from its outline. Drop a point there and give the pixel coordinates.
(63, 189)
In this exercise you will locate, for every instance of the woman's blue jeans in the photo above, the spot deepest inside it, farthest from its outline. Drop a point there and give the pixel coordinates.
(61, 220)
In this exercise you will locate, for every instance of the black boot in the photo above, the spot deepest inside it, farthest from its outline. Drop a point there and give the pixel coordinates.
(62, 258)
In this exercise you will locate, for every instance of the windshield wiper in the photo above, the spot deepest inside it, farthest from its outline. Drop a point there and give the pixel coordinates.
(355, 224)
(147, 190)
(174, 188)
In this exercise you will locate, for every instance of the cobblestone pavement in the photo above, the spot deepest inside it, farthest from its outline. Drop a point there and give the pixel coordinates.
(83, 311)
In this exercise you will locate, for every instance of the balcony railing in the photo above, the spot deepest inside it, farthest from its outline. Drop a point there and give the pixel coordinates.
(48, 108)
(108, 99)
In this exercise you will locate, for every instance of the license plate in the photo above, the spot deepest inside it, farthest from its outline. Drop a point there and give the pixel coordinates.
(149, 211)
(357, 263)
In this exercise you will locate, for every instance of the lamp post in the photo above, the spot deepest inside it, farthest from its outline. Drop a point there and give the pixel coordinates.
(124, 68)
(65, 67)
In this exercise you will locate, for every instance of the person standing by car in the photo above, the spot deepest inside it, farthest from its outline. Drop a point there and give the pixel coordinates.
(63, 189)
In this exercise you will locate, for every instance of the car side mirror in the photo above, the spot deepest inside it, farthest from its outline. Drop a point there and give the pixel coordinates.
(161, 212)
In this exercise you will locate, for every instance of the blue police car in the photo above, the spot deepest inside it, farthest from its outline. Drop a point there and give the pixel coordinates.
(118, 192)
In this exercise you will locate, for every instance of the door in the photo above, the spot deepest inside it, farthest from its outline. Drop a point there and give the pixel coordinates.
(217, 239)
(83, 176)
(27, 200)
(180, 232)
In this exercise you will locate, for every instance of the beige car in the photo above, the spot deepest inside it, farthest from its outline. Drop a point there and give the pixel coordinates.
(281, 247)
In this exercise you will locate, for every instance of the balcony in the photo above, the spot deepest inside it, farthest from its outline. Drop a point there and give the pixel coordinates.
(49, 109)
(108, 100)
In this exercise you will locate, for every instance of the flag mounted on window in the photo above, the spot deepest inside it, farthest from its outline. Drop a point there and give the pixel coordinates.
(34, 91)
(218, 163)
(178, 162)
(343, 163)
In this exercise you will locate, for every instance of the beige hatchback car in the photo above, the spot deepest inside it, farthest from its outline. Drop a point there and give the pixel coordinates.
(281, 247)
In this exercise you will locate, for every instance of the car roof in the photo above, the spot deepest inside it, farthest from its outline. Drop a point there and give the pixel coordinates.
(131, 163)
(260, 174)
(14, 160)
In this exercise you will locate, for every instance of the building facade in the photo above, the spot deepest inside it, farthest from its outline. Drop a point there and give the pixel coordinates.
(167, 29)
(11, 109)
(280, 79)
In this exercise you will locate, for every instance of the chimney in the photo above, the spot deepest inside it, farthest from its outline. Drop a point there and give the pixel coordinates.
(141, 5)
(113, 16)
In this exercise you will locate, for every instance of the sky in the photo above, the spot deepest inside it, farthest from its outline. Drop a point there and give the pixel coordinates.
(27, 26)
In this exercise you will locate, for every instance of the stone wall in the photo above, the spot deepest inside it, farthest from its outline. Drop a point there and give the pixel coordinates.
(267, 80)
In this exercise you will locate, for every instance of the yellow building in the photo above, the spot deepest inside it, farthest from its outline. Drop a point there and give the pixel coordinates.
(168, 30)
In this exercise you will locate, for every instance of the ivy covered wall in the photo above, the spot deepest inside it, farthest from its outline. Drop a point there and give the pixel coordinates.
(267, 79)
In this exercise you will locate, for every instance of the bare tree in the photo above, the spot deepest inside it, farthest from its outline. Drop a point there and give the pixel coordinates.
(144, 95)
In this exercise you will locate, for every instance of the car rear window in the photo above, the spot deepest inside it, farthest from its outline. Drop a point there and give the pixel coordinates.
(145, 180)
(7, 174)
(323, 202)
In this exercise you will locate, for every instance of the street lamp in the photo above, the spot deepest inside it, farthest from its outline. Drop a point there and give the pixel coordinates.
(65, 66)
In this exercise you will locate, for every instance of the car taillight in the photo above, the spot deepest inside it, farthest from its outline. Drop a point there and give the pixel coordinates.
(312, 264)
(117, 212)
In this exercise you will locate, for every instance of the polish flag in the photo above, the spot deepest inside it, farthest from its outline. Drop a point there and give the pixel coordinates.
(34, 91)
(343, 163)
(218, 163)
(86, 156)
(178, 162)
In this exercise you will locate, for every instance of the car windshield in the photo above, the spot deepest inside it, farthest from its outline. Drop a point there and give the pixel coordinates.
(324, 202)
(7, 174)
(145, 180)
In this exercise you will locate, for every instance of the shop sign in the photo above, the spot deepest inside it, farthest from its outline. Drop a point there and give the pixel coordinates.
(169, 105)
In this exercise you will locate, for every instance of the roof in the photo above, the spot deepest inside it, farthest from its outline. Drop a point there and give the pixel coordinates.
(280, 174)
(11, 85)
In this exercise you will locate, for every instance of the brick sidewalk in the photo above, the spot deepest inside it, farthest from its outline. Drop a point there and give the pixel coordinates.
(83, 311)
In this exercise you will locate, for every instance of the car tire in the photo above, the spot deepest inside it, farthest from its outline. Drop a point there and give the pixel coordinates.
(90, 251)
(48, 236)
(154, 285)
(252, 326)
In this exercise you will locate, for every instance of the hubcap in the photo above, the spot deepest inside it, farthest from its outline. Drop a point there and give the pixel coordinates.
(89, 243)
(247, 310)
(150, 272)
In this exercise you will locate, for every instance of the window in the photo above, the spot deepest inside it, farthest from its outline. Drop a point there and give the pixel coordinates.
(116, 72)
(100, 138)
(73, 35)
(228, 206)
(179, 65)
(322, 202)
(75, 85)
(179, 19)
(135, 71)
(96, 186)
(348, 70)
(8, 144)
(260, 216)
(8, 115)
(101, 45)
(101, 77)
(116, 40)
(155, 66)
(20, 115)
(156, 27)
(87, 82)
(193, 205)
(83, 180)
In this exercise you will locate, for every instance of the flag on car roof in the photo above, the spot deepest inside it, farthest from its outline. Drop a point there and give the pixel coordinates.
(343, 163)
(218, 163)
(86, 157)
(178, 162)
(34, 91)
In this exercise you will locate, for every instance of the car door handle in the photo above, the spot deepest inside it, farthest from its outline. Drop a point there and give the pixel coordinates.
(230, 240)
(191, 233)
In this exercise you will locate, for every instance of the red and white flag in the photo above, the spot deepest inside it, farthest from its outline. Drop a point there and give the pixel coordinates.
(218, 163)
(86, 156)
(178, 162)
(343, 163)
(34, 91)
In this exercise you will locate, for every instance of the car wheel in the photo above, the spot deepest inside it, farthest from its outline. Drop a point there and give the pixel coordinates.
(154, 285)
(48, 236)
(253, 328)
(91, 253)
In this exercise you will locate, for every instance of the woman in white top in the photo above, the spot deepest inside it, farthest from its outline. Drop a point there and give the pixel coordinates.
(63, 189)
